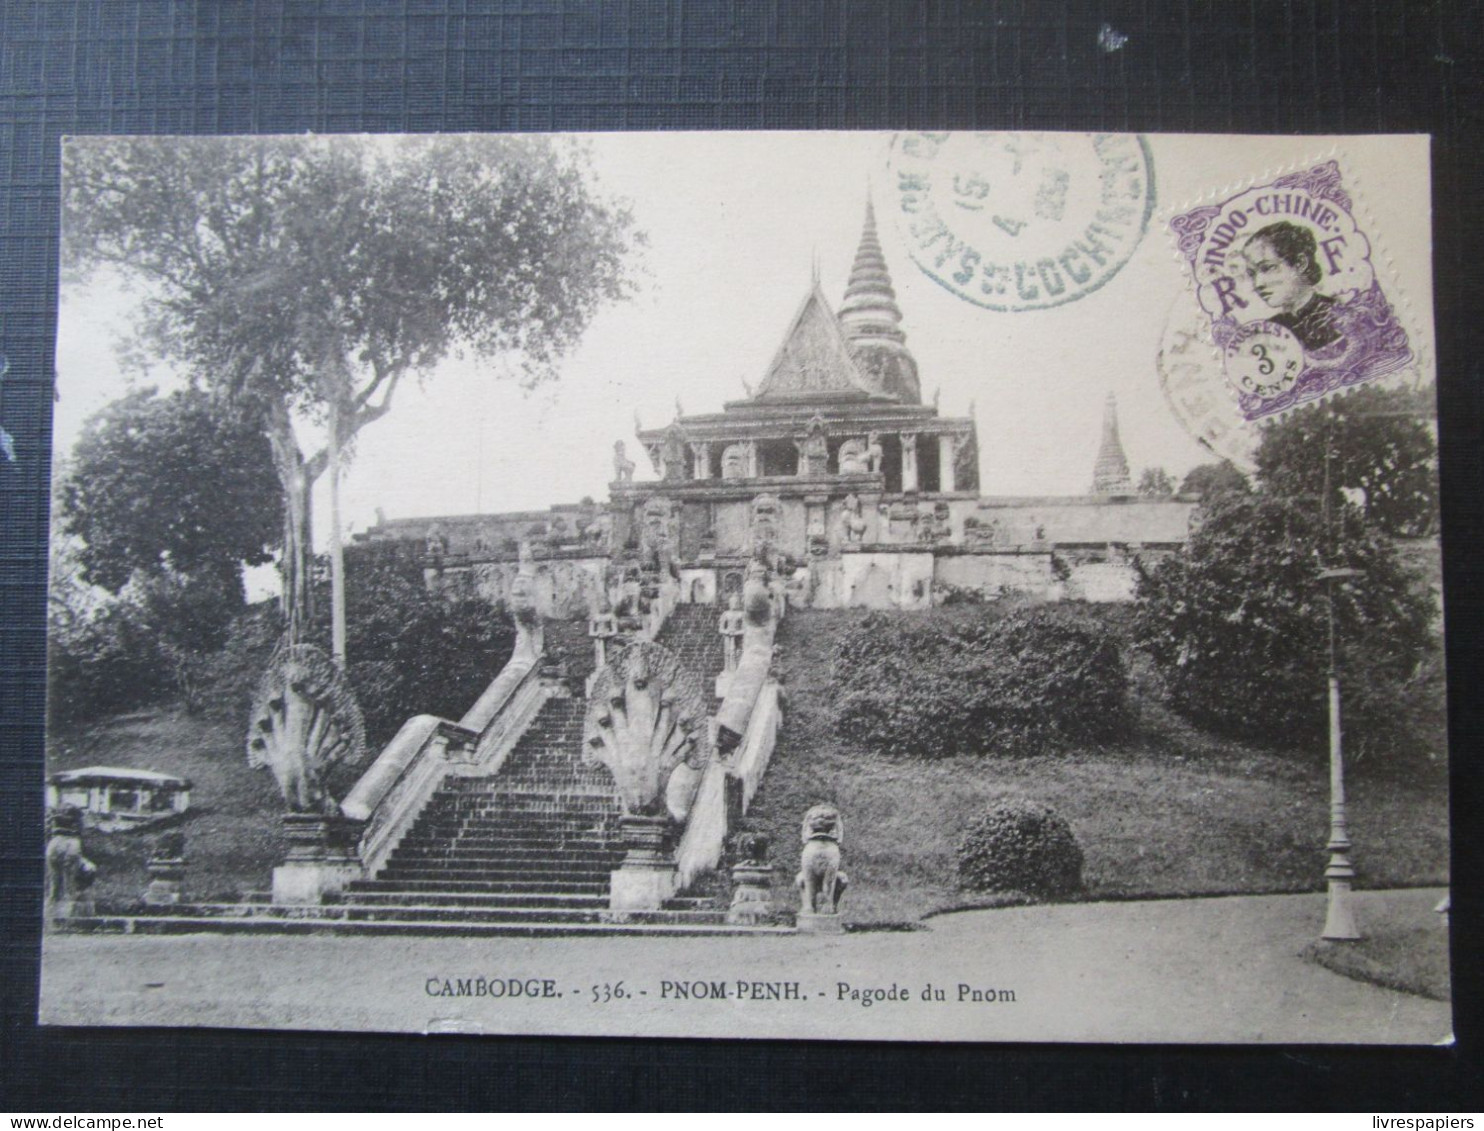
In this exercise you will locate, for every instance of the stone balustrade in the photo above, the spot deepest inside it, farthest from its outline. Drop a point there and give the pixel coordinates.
(746, 730)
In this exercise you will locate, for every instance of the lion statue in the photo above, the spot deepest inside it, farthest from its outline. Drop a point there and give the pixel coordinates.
(820, 882)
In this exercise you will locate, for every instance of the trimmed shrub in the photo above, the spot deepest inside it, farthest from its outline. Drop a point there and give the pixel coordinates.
(1011, 684)
(1022, 846)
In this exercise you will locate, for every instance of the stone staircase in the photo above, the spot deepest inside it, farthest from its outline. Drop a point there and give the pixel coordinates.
(691, 633)
(526, 851)
(571, 639)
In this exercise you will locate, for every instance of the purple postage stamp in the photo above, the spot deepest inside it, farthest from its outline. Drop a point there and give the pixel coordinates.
(1283, 271)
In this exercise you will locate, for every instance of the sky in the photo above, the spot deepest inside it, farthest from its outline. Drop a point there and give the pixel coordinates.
(734, 223)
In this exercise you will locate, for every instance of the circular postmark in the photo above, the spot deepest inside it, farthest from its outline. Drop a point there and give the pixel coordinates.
(1193, 377)
(1012, 221)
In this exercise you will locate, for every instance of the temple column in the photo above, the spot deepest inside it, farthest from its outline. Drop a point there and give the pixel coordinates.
(947, 446)
(752, 468)
(701, 453)
(909, 462)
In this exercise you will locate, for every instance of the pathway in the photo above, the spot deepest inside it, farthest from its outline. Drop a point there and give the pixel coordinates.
(1224, 970)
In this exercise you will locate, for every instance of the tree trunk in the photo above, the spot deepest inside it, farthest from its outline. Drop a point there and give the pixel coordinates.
(298, 526)
(337, 551)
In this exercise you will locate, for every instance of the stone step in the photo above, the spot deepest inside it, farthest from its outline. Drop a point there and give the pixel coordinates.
(522, 795)
(183, 924)
(447, 824)
(534, 858)
(362, 913)
(529, 836)
(529, 857)
(476, 899)
(457, 868)
(545, 833)
(477, 879)
(498, 883)
(494, 842)
(535, 894)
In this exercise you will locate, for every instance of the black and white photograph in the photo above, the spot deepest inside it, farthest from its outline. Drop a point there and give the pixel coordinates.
(834, 586)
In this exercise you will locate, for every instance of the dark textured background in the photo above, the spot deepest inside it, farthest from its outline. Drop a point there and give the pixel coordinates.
(269, 65)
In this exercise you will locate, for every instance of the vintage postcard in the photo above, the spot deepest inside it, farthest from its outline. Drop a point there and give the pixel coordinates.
(918, 586)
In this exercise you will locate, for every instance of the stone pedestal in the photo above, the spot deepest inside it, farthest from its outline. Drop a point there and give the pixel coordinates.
(809, 923)
(647, 877)
(752, 894)
(165, 876)
(321, 861)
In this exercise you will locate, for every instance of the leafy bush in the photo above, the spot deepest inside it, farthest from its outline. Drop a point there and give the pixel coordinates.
(1012, 684)
(946, 595)
(1022, 846)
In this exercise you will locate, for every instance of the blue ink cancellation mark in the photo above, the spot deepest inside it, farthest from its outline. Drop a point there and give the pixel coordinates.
(1017, 222)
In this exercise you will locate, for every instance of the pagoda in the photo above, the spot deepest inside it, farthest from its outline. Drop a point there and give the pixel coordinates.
(1110, 471)
(833, 450)
(832, 476)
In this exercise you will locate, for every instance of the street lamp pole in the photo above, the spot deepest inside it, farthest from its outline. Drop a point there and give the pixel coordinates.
(1339, 922)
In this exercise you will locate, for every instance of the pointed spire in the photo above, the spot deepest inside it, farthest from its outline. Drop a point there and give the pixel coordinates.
(871, 319)
(870, 306)
(1110, 472)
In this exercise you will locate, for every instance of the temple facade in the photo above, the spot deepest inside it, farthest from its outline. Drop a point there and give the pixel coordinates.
(833, 475)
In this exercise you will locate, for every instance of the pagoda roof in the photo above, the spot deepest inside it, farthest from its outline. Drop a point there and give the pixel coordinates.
(814, 360)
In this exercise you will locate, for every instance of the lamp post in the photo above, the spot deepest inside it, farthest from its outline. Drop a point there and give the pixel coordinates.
(1339, 922)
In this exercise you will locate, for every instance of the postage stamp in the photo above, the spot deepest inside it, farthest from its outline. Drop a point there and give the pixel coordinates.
(1283, 275)
(1022, 221)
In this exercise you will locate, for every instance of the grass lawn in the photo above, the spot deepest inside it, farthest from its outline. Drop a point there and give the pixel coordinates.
(232, 830)
(1405, 948)
(1172, 812)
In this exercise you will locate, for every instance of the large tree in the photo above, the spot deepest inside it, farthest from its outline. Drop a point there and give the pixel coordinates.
(1156, 483)
(304, 280)
(1372, 444)
(1209, 480)
(1238, 624)
(174, 484)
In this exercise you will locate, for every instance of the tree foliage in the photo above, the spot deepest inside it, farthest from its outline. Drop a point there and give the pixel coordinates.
(170, 484)
(1238, 624)
(413, 651)
(155, 640)
(1156, 483)
(1211, 479)
(307, 278)
(1380, 451)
